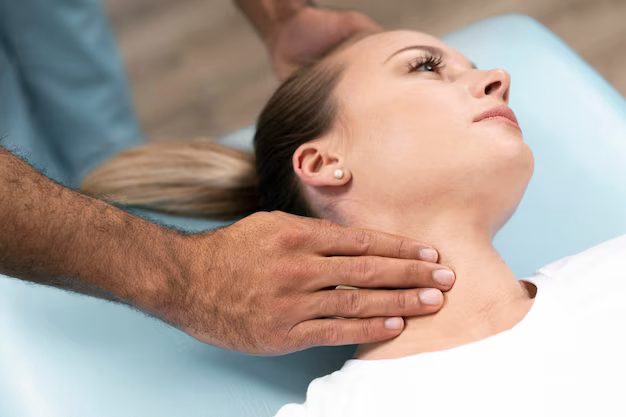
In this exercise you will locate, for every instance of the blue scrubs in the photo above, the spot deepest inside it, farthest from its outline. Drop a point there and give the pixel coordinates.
(64, 98)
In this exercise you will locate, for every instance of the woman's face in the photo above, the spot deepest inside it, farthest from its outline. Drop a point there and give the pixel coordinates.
(406, 132)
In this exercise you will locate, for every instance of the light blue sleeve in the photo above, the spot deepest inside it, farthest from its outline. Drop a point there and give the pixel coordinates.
(63, 82)
(18, 131)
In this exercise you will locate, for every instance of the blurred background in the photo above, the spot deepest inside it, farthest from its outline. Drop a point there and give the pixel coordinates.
(197, 68)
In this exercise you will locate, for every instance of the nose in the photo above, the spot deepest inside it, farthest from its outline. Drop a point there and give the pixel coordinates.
(496, 83)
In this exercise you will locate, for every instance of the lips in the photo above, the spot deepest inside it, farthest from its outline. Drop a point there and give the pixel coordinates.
(500, 111)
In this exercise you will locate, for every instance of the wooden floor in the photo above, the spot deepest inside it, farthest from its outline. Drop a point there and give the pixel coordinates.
(197, 68)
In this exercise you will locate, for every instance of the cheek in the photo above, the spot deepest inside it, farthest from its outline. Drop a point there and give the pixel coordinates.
(420, 150)
(404, 167)
(423, 139)
(433, 107)
(410, 166)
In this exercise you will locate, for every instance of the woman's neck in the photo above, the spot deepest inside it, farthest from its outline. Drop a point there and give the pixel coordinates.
(486, 297)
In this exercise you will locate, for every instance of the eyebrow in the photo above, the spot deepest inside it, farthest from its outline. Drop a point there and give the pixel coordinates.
(432, 49)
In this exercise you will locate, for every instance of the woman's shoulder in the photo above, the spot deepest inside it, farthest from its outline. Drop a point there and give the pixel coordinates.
(586, 286)
(607, 257)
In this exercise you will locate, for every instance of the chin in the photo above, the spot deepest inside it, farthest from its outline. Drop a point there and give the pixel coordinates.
(527, 160)
(516, 155)
(507, 182)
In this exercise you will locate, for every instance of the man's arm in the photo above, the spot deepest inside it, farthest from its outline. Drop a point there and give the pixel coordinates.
(257, 286)
(55, 236)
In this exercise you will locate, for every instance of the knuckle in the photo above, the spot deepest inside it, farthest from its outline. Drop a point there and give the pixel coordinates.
(401, 300)
(401, 249)
(329, 335)
(299, 272)
(290, 237)
(364, 240)
(308, 307)
(353, 302)
(405, 249)
(367, 330)
(326, 306)
(281, 216)
(414, 269)
(326, 223)
(324, 333)
(260, 216)
(258, 223)
(366, 270)
(280, 309)
(276, 337)
(285, 271)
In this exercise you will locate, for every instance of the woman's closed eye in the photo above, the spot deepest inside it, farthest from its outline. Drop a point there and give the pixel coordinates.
(431, 63)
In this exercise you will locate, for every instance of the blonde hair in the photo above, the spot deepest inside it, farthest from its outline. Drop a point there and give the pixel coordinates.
(205, 179)
(197, 178)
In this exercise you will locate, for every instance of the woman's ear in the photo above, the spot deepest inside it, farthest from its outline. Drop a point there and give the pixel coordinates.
(316, 166)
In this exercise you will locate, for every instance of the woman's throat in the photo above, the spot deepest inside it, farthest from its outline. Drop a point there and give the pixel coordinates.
(455, 324)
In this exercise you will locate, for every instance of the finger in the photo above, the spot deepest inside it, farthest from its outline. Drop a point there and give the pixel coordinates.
(378, 272)
(336, 332)
(361, 303)
(335, 240)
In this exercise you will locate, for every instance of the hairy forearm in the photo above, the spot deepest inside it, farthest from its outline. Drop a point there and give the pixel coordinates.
(265, 15)
(55, 236)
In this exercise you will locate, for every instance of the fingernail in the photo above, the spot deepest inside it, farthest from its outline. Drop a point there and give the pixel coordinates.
(444, 276)
(394, 323)
(428, 255)
(430, 296)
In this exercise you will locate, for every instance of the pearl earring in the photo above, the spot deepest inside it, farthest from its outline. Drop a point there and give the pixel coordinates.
(338, 174)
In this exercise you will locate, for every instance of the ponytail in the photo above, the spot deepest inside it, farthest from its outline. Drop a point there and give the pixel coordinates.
(204, 179)
(197, 178)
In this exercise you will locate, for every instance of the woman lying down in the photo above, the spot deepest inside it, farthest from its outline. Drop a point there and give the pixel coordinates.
(394, 131)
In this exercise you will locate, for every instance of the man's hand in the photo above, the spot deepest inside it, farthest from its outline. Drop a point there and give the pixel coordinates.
(262, 285)
(265, 284)
(296, 32)
(309, 33)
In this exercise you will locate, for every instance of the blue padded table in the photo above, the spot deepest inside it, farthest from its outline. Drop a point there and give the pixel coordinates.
(68, 355)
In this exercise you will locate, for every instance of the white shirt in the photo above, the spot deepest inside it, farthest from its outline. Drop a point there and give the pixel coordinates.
(567, 357)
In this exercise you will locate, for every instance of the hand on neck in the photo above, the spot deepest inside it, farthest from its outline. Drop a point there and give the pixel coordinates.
(485, 299)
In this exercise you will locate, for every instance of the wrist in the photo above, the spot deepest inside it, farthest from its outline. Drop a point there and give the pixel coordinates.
(56, 236)
(171, 285)
(163, 276)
